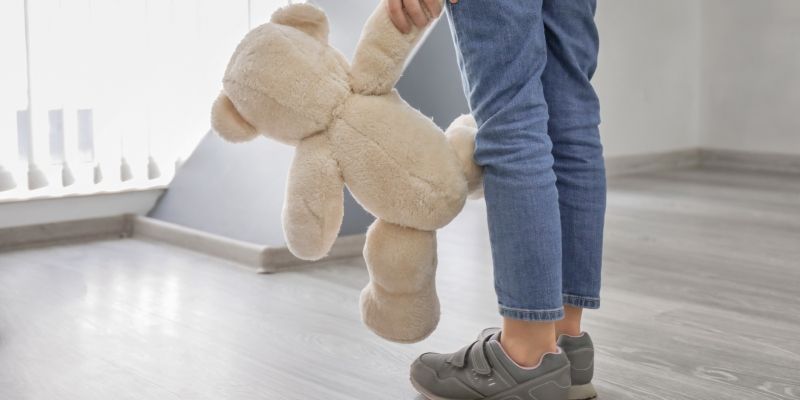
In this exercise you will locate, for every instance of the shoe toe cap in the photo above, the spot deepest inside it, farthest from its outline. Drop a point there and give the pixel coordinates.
(430, 375)
(422, 376)
(433, 360)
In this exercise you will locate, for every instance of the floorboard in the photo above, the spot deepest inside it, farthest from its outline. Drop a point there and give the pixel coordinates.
(701, 300)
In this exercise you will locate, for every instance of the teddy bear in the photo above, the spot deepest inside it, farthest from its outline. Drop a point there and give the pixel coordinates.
(350, 127)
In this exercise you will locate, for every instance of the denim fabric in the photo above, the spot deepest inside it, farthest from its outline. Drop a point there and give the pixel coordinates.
(526, 67)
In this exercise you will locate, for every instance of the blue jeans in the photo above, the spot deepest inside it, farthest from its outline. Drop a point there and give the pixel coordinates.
(526, 67)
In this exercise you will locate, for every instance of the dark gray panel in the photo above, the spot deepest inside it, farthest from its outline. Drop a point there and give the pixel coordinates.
(432, 81)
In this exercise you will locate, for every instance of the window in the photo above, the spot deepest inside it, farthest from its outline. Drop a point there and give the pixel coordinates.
(108, 95)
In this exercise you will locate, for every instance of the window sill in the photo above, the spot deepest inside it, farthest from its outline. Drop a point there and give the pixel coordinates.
(47, 208)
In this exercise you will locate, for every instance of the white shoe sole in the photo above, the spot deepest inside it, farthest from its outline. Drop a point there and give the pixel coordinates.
(537, 388)
(582, 392)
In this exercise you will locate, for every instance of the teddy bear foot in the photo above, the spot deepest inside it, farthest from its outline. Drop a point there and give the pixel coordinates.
(461, 136)
(400, 317)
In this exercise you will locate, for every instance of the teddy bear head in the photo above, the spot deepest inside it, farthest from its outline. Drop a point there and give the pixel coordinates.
(283, 81)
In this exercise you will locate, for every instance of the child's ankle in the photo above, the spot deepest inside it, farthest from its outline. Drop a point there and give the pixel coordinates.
(526, 353)
(569, 331)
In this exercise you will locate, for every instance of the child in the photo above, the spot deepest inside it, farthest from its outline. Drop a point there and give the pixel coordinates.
(526, 66)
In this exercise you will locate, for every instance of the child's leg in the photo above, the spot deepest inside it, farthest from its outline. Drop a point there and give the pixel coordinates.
(572, 44)
(502, 53)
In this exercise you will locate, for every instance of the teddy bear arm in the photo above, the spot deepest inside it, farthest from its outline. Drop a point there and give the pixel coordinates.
(314, 203)
(381, 53)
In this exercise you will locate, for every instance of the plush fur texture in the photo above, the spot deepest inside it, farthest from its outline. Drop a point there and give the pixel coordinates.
(461, 135)
(351, 127)
(402, 269)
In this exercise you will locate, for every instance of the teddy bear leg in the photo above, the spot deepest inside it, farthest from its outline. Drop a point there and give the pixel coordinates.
(461, 136)
(400, 302)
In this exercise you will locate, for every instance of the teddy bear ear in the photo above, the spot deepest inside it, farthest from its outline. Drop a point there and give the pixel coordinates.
(228, 123)
(304, 17)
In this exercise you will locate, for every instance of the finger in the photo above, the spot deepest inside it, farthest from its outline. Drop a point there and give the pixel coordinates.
(434, 7)
(414, 10)
(398, 16)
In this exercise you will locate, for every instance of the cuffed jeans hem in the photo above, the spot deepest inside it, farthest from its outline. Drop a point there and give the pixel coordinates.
(581, 301)
(532, 315)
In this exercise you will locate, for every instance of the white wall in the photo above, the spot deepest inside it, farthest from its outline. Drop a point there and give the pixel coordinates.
(648, 75)
(751, 75)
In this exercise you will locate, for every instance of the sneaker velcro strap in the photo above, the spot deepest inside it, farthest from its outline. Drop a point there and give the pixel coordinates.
(459, 358)
(477, 355)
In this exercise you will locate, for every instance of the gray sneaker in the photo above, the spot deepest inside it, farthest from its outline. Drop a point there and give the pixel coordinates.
(580, 351)
(482, 370)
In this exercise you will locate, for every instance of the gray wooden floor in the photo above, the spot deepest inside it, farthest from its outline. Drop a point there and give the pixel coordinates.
(701, 301)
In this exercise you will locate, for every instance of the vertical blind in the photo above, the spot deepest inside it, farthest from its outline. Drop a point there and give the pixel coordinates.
(109, 95)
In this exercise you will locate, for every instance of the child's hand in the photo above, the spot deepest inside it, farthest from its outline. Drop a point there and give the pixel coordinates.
(420, 11)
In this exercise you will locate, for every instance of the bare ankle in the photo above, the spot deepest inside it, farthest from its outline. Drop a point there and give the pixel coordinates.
(524, 354)
(568, 330)
(571, 324)
(525, 342)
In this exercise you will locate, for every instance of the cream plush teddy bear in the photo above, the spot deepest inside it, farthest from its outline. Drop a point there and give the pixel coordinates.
(351, 127)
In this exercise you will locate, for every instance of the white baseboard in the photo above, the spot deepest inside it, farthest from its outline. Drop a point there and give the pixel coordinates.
(259, 258)
(651, 162)
(18, 237)
(244, 253)
(750, 161)
(45, 210)
(706, 157)
(278, 258)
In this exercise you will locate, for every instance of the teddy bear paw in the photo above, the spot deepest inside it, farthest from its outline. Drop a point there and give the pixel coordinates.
(400, 317)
